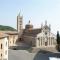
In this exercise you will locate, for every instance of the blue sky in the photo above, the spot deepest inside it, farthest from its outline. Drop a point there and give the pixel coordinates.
(37, 11)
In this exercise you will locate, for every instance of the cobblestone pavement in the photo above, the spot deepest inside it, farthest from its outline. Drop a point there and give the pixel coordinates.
(25, 55)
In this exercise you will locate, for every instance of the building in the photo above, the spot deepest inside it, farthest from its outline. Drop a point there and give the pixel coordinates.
(19, 23)
(3, 46)
(12, 38)
(39, 38)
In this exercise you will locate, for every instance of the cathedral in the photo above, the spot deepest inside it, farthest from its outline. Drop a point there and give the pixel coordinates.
(39, 38)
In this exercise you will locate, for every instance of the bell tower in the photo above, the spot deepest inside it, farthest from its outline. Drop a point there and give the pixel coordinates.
(19, 23)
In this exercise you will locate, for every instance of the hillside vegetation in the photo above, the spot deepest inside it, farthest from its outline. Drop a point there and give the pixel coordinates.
(6, 28)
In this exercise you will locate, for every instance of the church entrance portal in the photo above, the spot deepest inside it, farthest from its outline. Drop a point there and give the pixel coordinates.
(46, 43)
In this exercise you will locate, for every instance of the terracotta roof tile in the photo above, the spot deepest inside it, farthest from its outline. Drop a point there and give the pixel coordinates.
(2, 35)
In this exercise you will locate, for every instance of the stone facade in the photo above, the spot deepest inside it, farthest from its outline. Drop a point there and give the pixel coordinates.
(46, 38)
(19, 23)
(12, 37)
(39, 38)
(3, 47)
(43, 40)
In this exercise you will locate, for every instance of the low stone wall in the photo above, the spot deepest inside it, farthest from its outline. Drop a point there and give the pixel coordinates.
(50, 49)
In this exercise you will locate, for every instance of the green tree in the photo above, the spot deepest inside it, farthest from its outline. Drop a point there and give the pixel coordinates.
(58, 37)
(58, 41)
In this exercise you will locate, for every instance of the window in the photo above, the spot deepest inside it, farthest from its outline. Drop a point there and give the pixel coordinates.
(53, 38)
(49, 40)
(45, 33)
(10, 41)
(41, 38)
(13, 41)
(6, 52)
(20, 24)
(38, 38)
(45, 28)
(46, 43)
(6, 43)
(1, 54)
(39, 42)
(8, 38)
(1, 46)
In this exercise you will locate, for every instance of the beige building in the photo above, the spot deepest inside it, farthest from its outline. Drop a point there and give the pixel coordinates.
(3, 46)
(12, 38)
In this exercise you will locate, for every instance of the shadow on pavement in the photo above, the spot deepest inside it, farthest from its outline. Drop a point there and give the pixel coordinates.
(19, 48)
(45, 55)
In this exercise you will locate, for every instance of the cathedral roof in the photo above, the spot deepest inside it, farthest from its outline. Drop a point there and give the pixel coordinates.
(12, 33)
(29, 25)
(32, 32)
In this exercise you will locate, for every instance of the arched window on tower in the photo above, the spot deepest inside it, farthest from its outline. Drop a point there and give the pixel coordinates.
(6, 43)
(39, 41)
(1, 46)
(13, 41)
(1, 54)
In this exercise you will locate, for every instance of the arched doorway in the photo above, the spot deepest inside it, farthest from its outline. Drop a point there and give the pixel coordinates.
(46, 43)
(20, 39)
